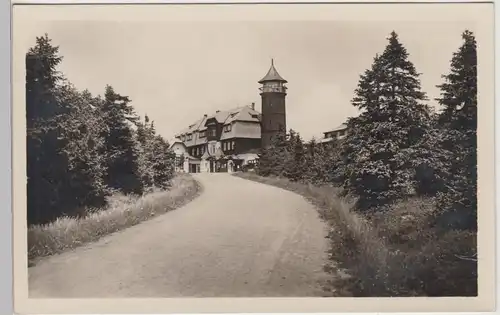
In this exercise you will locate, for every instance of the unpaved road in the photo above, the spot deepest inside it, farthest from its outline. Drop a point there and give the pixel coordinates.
(239, 238)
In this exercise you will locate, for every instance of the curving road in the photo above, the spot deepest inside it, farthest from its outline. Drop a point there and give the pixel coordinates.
(239, 238)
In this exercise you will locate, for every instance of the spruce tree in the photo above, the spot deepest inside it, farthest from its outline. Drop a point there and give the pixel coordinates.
(272, 159)
(45, 165)
(459, 127)
(123, 171)
(393, 119)
(146, 137)
(163, 163)
(80, 130)
(295, 166)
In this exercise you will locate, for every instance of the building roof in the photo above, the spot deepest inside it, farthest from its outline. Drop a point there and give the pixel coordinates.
(339, 128)
(272, 75)
(325, 140)
(242, 114)
(242, 129)
(173, 141)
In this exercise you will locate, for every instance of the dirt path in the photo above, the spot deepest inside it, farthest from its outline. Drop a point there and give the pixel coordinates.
(239, 238)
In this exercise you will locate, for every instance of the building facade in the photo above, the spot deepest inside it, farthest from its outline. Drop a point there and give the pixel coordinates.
(222, 142)
(227, 141)
(334, 134)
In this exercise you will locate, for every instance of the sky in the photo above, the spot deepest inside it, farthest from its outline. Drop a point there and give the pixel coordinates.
(176, 71)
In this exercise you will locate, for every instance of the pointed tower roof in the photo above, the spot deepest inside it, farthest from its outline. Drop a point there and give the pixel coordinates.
(272, 75)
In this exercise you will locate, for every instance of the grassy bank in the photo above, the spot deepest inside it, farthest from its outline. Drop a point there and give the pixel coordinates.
(122, 212)
(398, 252)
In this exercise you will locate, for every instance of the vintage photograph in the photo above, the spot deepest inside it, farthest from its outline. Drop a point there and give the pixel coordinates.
(251, 158)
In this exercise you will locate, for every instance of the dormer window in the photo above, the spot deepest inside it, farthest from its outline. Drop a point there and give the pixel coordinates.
(227, 128)
(189, 137)
(203, 134)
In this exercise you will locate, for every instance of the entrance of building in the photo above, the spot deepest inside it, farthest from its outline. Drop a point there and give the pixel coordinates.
(194, 168)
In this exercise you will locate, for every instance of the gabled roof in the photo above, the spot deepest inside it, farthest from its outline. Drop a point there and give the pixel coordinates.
(272, 75)
(173, 141)
(242, 114)
(339, 128)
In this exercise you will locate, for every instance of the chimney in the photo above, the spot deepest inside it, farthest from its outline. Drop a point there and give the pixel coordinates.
(217, 111)
(205, 115)
(252, 106)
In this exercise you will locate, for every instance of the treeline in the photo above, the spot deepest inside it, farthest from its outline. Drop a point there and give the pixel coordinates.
(411, 171)
(398, 147)
(83, 148)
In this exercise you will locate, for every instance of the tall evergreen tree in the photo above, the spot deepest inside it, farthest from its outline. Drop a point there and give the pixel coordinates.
(163, 163)
(146, 138)
(123, 153)
(45, 166)
(459, 122)
(272, 159)
(80, 130)
(42, 78)
(294, 168)
(393, 119)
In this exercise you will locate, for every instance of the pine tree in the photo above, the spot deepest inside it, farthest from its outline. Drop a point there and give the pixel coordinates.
(123, 153)
(459, 124)
(45, 166)
(294, 168)
(272, 159)
(80, 130)
(393, 120)
(146, 137)
(163, 163)
(42, 78)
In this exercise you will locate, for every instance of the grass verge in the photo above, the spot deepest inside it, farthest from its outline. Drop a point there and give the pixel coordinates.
(398, 252)
(122, 212)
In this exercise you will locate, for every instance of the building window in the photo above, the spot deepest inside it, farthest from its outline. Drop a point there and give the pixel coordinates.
(211, 132)
(189, 136)
(227, 128)
(233, 144)
(202, 150)
(202, 134)
(224, 146)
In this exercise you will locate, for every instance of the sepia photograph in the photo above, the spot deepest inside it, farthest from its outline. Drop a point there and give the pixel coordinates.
(319, 151)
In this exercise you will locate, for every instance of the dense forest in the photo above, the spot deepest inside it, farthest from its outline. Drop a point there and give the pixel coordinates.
(82, 148)
(401, 156)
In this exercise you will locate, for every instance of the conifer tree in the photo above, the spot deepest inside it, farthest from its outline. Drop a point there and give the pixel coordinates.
(123, 153)
(393, 119)
(80, 129)
(272, 159)
(163, 163)
(146, 137)
(459, 122)
(294, 168)
(45, 166)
